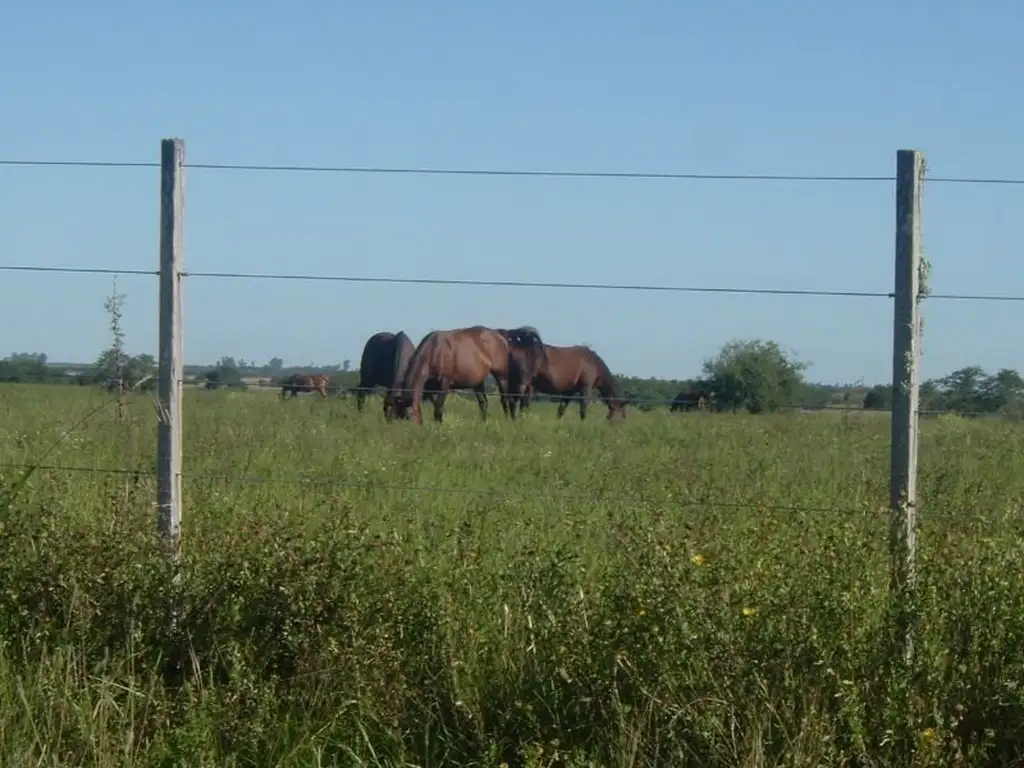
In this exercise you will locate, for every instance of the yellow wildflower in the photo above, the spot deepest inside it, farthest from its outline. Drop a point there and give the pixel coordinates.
(748, 611)
(928, 734)
(697, 559)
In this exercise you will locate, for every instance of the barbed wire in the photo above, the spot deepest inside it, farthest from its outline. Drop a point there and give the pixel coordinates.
(537, 284)
(879, 509)
(513, 283)
(683, 399)
(499, 172)
(333, 482)
(78, 270)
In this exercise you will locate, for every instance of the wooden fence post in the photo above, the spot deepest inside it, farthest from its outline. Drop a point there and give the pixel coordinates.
(910, 168)
(171, 366)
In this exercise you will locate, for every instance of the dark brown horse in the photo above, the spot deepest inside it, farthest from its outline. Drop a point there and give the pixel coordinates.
(462, 358)
(305, 382)
(572, 373)
(691, 401)
(527, 357)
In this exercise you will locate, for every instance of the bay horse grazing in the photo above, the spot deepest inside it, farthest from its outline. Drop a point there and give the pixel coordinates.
(305, 382)
(690, 401)
(461, 358)
(572, 372)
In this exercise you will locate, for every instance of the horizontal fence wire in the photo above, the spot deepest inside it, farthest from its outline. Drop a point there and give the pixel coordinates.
(196, 383)
(839, 293)
(500, 172)
(880, 509)
(333, 482)
(684, 399)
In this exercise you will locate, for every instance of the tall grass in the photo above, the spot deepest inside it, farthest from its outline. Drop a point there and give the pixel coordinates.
(344, 600)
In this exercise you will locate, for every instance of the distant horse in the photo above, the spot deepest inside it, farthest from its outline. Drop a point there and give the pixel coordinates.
(691, 401)
(571, 373)
(305, 382)
(527, 356)
(462, 358)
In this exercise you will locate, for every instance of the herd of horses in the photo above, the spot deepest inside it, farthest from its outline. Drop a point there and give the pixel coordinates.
(521, 364)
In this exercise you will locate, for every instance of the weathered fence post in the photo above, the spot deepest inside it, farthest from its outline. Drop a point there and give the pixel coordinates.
(910, 168)
(171, 368)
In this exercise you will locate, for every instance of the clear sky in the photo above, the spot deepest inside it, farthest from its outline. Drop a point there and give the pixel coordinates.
(811, 87)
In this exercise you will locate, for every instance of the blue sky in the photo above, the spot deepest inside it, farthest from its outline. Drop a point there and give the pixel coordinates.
(806, 87)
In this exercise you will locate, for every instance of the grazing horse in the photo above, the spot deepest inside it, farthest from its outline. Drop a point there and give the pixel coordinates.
(572, 372)
(691, 401)
(305, 382)
(382, 353)
(462, 358)
(527, 356)
(383, 363)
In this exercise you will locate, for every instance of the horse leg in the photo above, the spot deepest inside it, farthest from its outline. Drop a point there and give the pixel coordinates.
(503, 389)
(503, 395)
(361, 400)
(439, 397)
(584, 395)
(563, 405)
(481, 400)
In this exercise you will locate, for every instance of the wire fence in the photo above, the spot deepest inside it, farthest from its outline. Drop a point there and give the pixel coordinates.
(522, 284)
(838, 293)
(565, 174)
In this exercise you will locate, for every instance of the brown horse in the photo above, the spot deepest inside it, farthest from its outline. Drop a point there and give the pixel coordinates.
(462, 358)
(571, 373)
(305, 382)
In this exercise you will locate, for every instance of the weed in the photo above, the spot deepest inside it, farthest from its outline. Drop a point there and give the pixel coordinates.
(344, 603)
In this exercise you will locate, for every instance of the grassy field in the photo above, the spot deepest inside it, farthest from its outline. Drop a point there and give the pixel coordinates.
(698, 589)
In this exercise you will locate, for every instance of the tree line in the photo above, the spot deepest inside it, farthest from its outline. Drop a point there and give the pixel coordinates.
(752, 375)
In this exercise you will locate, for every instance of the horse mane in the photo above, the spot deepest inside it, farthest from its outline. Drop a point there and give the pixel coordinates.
(527, 341)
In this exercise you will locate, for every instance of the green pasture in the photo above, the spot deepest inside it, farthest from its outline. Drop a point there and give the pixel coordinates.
(678, 589)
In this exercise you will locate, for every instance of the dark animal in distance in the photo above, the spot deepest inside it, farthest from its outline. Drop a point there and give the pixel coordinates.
(572, 373)
(460, 358)
(305, 382)
(691, 401)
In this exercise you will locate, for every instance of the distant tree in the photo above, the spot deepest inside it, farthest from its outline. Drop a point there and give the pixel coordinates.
(756, 375)
(25, 367)
(1001, 392)
(878, 398)
(224, 373)
(961, 390)
(346, 366)
(275, 366)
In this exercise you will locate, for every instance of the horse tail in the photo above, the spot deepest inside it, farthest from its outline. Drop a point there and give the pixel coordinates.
(607, 385)
(400, 362)
(366, 362)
